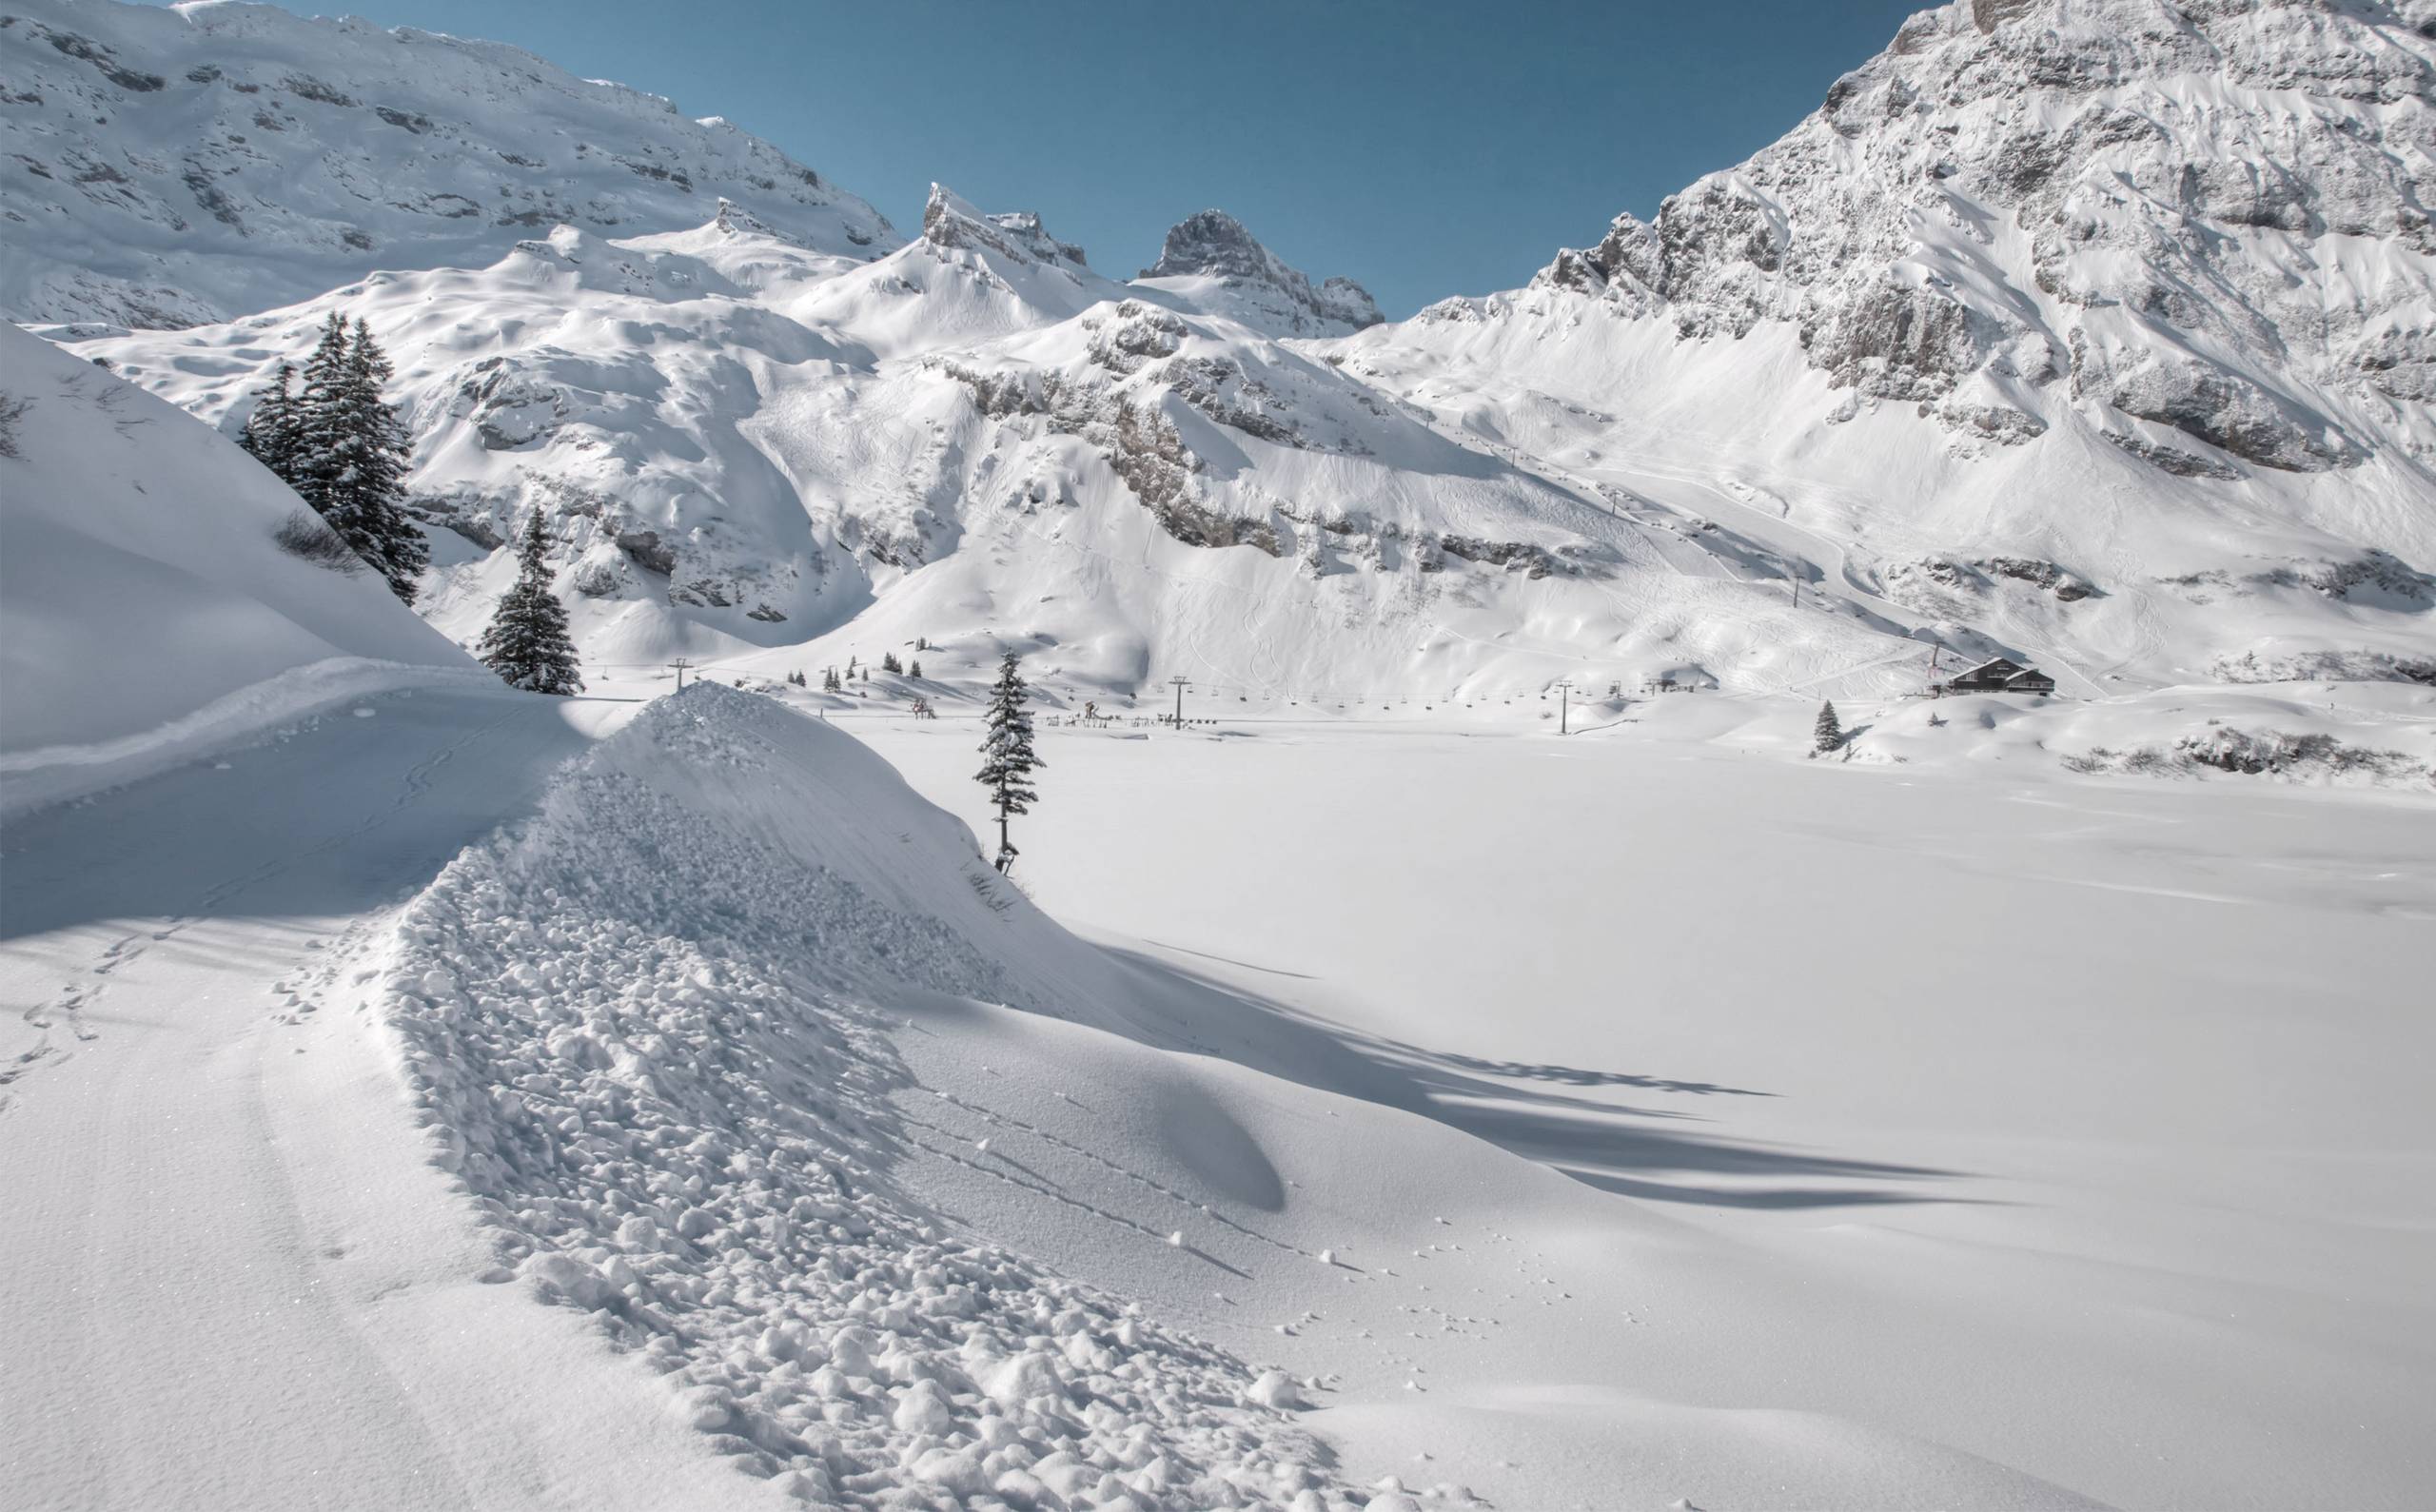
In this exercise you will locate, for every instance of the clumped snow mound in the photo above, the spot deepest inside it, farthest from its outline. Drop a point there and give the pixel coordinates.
(151, 582)
(650, 1032)
(176, 166)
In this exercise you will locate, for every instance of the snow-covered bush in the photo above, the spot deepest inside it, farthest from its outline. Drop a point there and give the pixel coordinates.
(308, 535)
(2273, 752)
(12, 409)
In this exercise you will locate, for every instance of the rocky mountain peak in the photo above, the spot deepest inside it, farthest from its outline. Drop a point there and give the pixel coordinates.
(1212, 247)
(951, 221)
(2025, 204)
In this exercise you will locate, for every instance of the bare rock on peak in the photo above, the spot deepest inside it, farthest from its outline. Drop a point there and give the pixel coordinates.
(1212, 261)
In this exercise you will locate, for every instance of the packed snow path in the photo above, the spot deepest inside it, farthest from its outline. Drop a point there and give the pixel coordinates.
(186, 1328)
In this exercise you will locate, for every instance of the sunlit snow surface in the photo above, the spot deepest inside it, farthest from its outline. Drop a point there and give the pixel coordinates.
(1649, 1115)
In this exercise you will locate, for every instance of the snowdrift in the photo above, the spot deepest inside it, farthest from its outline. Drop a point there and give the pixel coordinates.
(144, 595)
(651, 1035)
(741, 1049)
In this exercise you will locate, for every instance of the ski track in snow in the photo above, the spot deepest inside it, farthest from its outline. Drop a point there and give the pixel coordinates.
(158, 1385)
(70, 1009)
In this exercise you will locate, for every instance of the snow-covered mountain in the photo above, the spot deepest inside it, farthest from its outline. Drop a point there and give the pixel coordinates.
(2093, 331)
(977, 440)
(2107, 324)
(174, 166)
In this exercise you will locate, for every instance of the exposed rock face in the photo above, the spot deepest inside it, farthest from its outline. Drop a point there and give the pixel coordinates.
(172, 193)
(1258, 288)
(2172, 171)
(949, 223)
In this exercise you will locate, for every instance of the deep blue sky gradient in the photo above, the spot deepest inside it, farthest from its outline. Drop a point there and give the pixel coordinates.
(1426, 148)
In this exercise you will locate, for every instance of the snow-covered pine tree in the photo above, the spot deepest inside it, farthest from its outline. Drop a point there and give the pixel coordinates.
(368, 494)
(347, 454)
(527, 643)
(270, 430)
(314, 418)
(1827, 734)
(1008, 759)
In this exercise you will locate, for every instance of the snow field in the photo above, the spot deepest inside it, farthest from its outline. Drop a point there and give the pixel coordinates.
(2050, 1133)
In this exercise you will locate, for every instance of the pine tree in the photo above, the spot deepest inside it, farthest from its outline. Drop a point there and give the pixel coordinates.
(1008, 759)
(921, 643)
(313, 430)
(913, 670)
(527, 643)
(344, 453)
(270, 430)
(1827, 732)
(888, 663)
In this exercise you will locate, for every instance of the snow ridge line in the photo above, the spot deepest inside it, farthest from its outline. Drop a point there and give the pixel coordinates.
(45, 776)
(652, 1045)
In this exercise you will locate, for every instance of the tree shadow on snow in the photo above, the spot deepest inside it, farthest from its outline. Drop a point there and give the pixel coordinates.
(1634, 1150)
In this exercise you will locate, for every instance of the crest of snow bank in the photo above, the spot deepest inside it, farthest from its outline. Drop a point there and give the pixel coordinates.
(145, 593)
(650, 1033)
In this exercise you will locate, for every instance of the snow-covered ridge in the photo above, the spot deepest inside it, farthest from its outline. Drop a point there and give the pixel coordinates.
(651, 1028)
(173, 167)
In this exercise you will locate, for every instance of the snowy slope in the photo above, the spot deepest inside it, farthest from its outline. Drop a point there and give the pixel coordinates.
(2101, 325)
(143, 595)
(979, 440)
(179, 165)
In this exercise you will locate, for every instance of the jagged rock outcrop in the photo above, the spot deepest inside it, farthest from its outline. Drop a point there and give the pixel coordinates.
(1234, 275)
(2172, 170)
(949, 223)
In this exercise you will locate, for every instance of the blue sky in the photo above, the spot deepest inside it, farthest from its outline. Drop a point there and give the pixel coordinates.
(1426, 148)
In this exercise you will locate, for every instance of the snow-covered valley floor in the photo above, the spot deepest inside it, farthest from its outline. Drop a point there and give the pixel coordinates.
(1586, 1123)
(2079, 1125)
